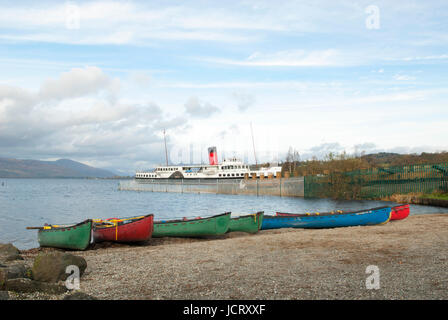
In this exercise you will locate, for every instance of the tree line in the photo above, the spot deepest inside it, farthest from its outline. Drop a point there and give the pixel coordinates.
(343, 162)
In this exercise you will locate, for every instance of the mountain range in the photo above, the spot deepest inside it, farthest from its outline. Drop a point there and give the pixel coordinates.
(62, 168)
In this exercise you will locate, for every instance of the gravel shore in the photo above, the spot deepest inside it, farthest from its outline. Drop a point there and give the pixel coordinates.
(411, 254)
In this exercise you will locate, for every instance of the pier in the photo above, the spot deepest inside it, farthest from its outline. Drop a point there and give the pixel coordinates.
(283, 187)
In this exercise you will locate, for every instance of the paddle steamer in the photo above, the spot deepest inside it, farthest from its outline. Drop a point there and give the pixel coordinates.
(228, 169)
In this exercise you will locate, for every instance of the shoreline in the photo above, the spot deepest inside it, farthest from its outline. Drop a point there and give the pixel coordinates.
(99, 245)
(411, 255)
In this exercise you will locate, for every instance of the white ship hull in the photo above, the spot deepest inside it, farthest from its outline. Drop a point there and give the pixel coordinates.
(235, 170)
(228, 169)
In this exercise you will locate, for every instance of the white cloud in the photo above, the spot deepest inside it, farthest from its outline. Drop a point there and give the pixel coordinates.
(403, 77)
(366, 147)
(137, 22)
(430, 57)
(244, 100)
(325, 148)
(199, 109)
(292, 58)
(78, 82)
(85, 111)
(108, 22)
(140, 78)
(238, 85)
(15, 103)
(69, 118)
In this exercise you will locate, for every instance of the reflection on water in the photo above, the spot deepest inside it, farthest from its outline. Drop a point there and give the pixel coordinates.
(33, 202)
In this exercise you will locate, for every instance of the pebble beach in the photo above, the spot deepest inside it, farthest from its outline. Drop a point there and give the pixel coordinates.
(411, 256)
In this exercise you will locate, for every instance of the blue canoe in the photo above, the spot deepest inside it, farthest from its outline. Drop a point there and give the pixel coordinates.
(367, 217)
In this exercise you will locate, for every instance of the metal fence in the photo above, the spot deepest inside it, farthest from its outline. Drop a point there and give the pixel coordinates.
(379, 182)
(288, 187)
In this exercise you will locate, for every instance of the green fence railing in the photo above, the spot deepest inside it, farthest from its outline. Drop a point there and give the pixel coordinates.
(378, 182)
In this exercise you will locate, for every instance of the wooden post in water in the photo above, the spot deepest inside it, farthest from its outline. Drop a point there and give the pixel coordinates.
(280, 186)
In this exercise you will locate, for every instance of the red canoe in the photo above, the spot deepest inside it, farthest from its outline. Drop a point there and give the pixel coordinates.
(284, 214)
(400, 212)
(397, 213)
(123, 230)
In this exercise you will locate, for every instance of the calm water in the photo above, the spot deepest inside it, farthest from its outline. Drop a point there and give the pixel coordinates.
(33, 202)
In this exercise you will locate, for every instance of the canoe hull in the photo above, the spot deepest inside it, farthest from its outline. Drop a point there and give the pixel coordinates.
(248, 223)
(76, 237)
(349, 219)
(133, 231)
(211, 226)
(400, 212)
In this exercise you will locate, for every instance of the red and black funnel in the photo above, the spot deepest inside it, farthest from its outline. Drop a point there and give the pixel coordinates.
(212, 156)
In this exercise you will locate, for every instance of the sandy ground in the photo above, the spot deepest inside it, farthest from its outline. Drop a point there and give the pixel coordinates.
(411, 256)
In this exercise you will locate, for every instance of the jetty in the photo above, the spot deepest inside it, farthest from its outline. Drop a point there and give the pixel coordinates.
(283, 187)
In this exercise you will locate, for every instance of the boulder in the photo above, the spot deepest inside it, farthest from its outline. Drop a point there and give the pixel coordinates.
(27, 285)
(13, 272)
(9, 253)
(4, 295)
(51, 267)
(11, 257)
(8, 248)
(78, 295)
(18, 271)
(3, 277)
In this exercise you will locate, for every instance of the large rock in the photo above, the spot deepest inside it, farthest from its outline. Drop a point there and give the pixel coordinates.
(8, 248)
(13, 272)
(18, 271)
(11, 257)
(3, 277)
(4, 295)
(28, 285)
(52, 267)
(9, 253)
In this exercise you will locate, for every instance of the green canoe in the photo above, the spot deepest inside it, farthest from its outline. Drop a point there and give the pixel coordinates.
(211, 226)
(76, 237)
(249, 223)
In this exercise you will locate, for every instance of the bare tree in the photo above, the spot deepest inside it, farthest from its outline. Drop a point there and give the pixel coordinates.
(295, 159)
(290, 158)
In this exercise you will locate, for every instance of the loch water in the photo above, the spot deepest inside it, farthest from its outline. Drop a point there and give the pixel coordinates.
(34, 202)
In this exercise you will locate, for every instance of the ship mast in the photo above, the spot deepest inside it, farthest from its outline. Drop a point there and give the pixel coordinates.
(253, 144)
(166, 152)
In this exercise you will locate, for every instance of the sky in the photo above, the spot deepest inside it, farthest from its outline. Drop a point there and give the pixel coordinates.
(99, 81)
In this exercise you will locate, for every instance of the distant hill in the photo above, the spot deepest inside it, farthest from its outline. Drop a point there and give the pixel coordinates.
(345, 163)
(381, 158)
(395, 159)
(63, 168)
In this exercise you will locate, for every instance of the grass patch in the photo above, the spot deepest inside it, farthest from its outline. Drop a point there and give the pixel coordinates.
(440, 196)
